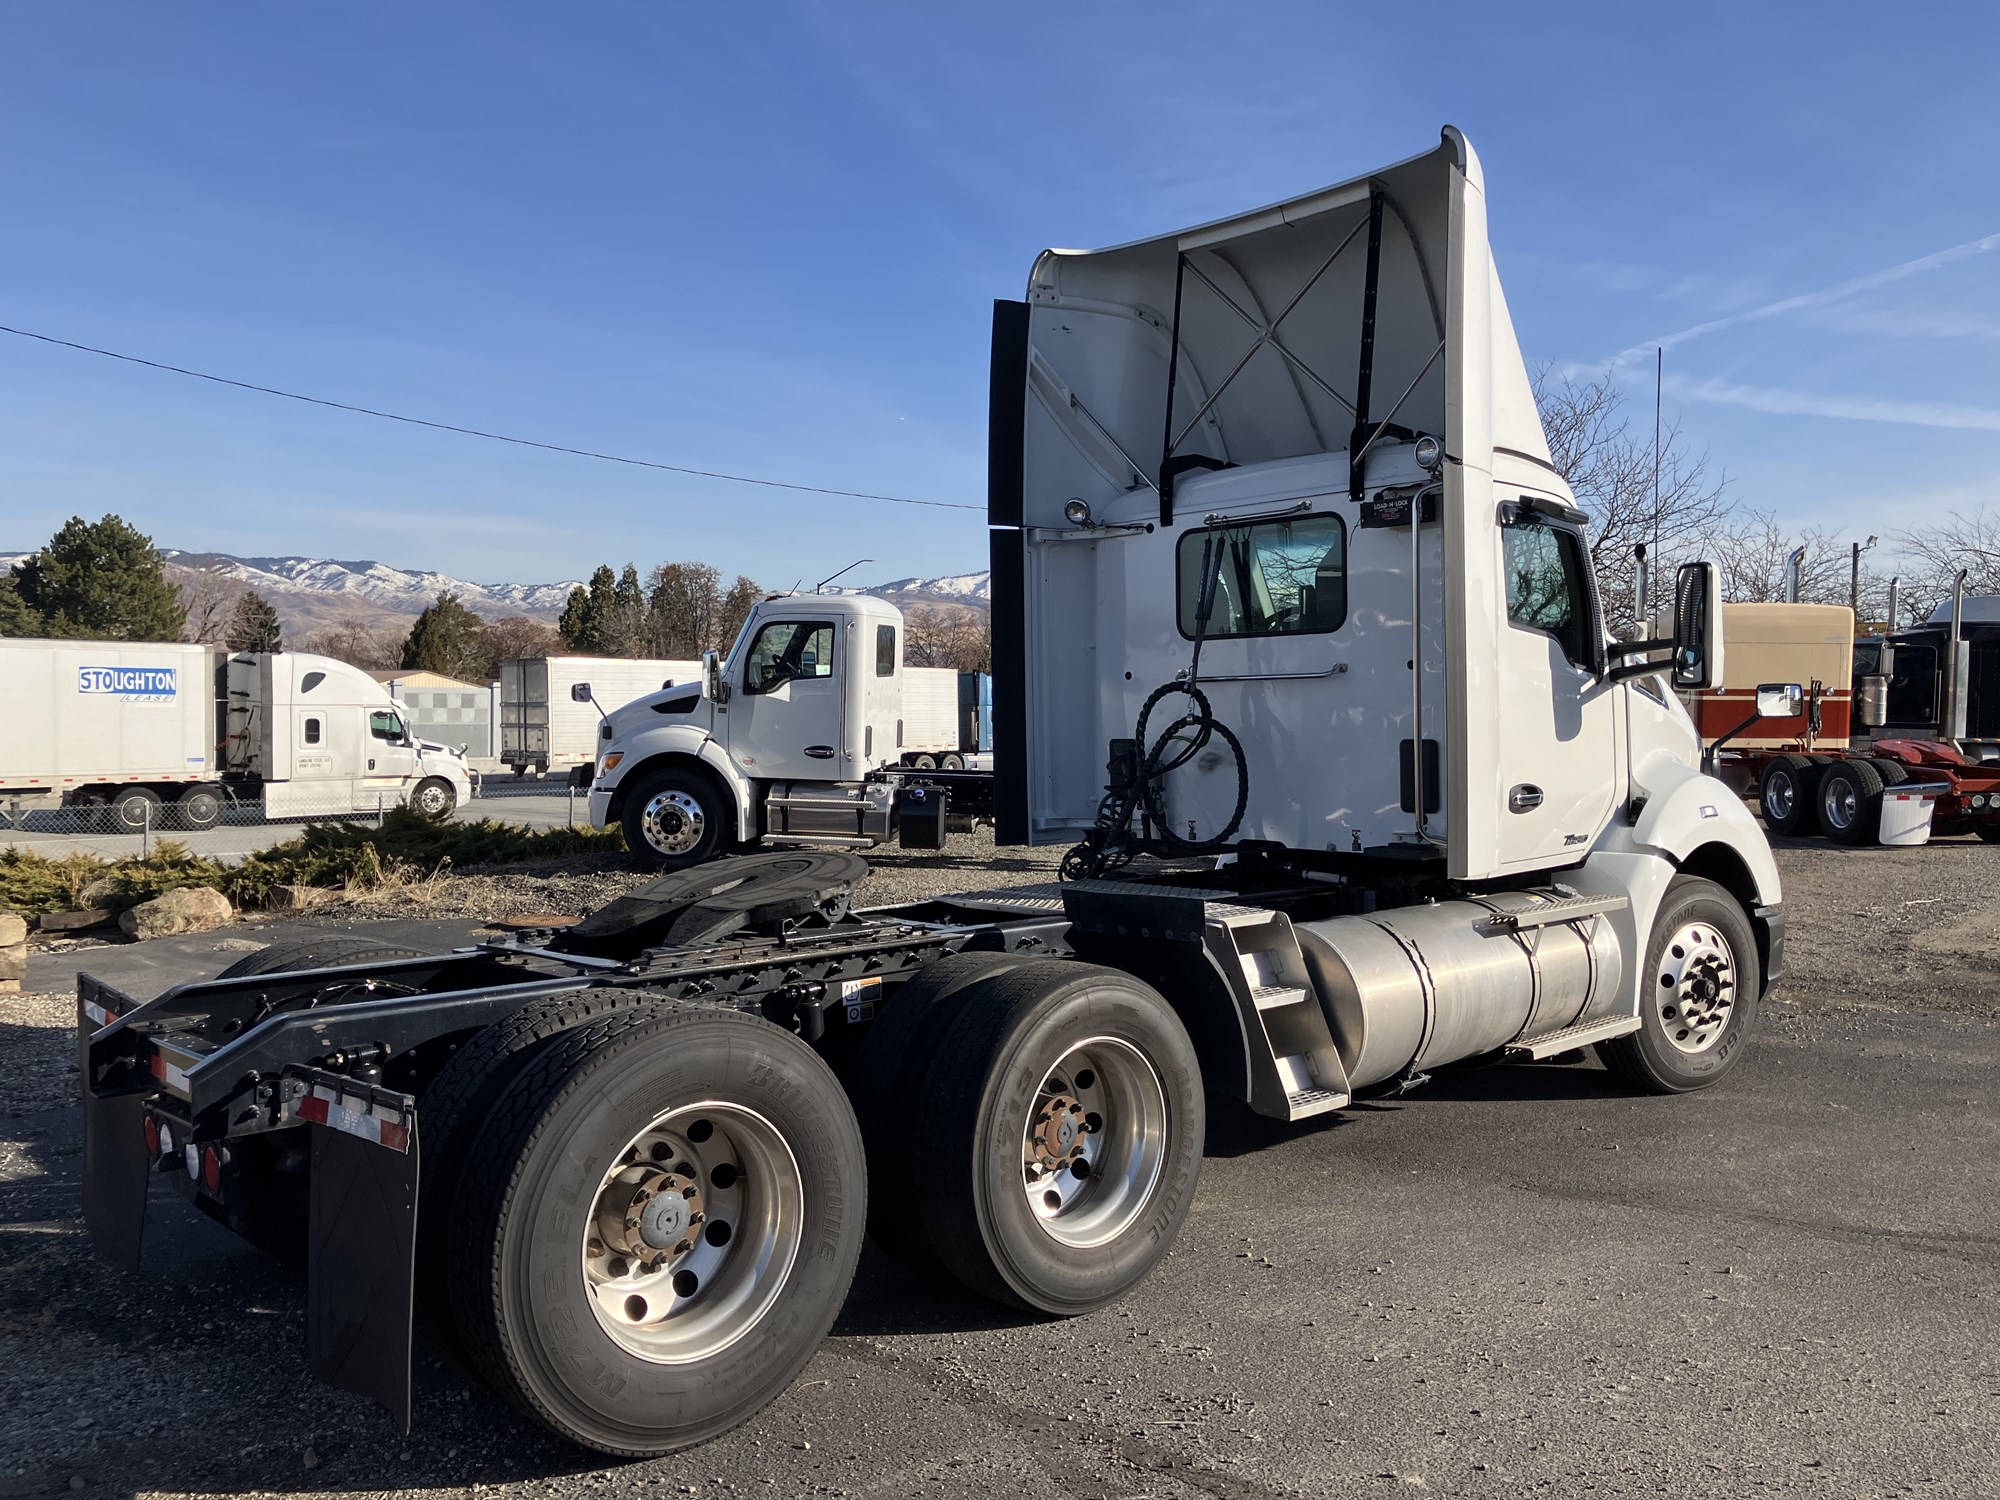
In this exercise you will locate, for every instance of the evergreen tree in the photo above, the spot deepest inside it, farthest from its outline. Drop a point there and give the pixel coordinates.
(625, 634)
(588, 621)
(16, 619)
(448, 639)
(253, 626)
(100, 581)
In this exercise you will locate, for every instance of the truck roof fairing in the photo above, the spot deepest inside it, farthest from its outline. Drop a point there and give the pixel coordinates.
(1260, 326)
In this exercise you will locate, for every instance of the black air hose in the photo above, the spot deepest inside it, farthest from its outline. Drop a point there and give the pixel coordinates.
(1109, 843)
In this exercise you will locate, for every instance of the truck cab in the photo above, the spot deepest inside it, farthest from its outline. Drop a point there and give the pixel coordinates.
(781, 739)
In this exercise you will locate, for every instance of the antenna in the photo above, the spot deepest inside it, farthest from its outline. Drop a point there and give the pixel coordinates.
(848, 569)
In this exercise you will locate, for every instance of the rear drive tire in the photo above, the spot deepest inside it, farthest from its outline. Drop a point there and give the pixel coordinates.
(1697, 994)
(323, 950)
(1060, 1134)
(1849, 802)
(1892, 772)
(594, 1163)
(1785, 795)
(886, 1084)
(198, 808)
(674, 819)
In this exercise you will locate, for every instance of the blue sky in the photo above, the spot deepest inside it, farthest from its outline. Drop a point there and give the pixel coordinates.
(770, 247)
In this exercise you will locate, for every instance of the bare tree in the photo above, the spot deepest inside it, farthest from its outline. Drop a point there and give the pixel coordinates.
(1611, 472)
(353, 641)
(1936, 553)
(514, 637)
(210, 597)
(941, 636)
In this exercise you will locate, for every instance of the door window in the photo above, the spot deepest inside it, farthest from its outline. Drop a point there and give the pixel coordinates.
(1284, 577)
(385, 726)
(1913, 685)
(785, 649)
(1548, 585)
(885, 651)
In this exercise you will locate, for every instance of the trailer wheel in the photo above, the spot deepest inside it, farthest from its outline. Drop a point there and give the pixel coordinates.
(134, 808)
(1059, 1136)
(1786, 792)
(656, 1228)
(1697, 996)
(923, 762)
(674, 819)
(1850, 802)
(198, 808)
(951, 762)
(888, 1076)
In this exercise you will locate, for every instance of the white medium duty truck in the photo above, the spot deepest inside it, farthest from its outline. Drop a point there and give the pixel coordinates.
(165, 735)
(1280, 556)
(545, 725)
(793, 738)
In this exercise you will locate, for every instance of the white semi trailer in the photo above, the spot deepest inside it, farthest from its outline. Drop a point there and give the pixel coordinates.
(1276, 538)
(163, 735)
(546, 725)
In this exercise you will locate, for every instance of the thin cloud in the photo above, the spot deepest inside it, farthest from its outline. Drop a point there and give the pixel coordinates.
(1846, 408)
(1808, 300)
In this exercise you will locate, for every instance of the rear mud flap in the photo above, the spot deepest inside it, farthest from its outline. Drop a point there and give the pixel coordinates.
(362, 1239)
(117, 1171)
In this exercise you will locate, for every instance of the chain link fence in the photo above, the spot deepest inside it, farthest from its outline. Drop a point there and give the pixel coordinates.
(223, 823)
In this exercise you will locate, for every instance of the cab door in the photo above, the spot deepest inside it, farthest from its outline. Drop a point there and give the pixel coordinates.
(389, 758)
(785, 712)
(1557, 739)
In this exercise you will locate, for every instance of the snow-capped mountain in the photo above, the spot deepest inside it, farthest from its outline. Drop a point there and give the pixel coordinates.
(313, 592)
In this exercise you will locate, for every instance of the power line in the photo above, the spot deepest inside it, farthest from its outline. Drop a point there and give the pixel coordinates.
(496, 437)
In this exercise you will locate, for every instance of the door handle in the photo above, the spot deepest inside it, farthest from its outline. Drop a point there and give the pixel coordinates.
(820, 752)
(1524, 798)
(371, 764)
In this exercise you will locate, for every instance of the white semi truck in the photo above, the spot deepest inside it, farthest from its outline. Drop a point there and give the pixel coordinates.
(1277, 540)
(164, 735)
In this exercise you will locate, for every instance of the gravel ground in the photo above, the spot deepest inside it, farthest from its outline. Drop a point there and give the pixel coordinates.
(1785, 1286)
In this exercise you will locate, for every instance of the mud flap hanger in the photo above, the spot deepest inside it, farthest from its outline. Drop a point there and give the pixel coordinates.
(1363, 437)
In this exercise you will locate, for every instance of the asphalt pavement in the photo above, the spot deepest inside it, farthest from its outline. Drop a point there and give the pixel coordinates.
(1517, 1280)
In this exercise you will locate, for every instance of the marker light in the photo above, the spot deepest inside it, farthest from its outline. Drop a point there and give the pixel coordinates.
(1429, 451)
(192, 1157)
(1077, 512)
(610, 762)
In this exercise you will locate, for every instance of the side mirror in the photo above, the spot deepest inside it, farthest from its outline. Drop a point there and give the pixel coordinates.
(1697, 663)
(580, 693)
(1780, 700)
(712, 685)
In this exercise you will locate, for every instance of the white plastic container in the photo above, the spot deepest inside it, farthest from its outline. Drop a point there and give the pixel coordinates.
(1907, 809)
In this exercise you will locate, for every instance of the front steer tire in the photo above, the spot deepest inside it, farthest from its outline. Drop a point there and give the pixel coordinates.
(675, 818)
(532, 1203)
(1699, 934)
(1048, 1043)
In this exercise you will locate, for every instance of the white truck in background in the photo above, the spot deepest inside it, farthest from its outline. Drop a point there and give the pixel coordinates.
(166, 735)
(545, 726)
(801, 736)
(947, 720)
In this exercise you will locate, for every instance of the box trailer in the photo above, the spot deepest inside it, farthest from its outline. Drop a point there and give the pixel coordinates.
(149, 734)
(545, 727)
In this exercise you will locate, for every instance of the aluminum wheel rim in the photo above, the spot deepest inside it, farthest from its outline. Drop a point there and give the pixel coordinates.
(693, 1232)
(674, 822)
(1839, 801)
(1695, 987)
(1095, 1142)
(431, 800)
(1780, 795)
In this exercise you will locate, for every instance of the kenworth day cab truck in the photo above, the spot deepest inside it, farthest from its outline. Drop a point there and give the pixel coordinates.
(798, 736)
(1276, 539)
(165, 735)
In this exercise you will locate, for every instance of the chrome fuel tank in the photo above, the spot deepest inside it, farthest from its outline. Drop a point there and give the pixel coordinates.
(1419, 986)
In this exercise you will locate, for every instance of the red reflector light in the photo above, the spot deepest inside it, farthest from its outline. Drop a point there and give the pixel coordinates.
(152, 1136)
(211, 1168)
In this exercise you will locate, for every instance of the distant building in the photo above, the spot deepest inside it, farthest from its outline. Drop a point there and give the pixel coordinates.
(445, 710)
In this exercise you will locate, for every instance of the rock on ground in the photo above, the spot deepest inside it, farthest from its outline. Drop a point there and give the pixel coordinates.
(194, 908)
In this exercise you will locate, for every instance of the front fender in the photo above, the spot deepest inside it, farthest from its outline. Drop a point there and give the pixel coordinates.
(1686, 810)
(644, 752)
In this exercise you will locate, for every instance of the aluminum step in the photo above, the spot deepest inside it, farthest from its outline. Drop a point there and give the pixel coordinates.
(1309, 1102)
(1572, 1037)
(1563, 909)
(1271, 996)
(1295, 1066)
